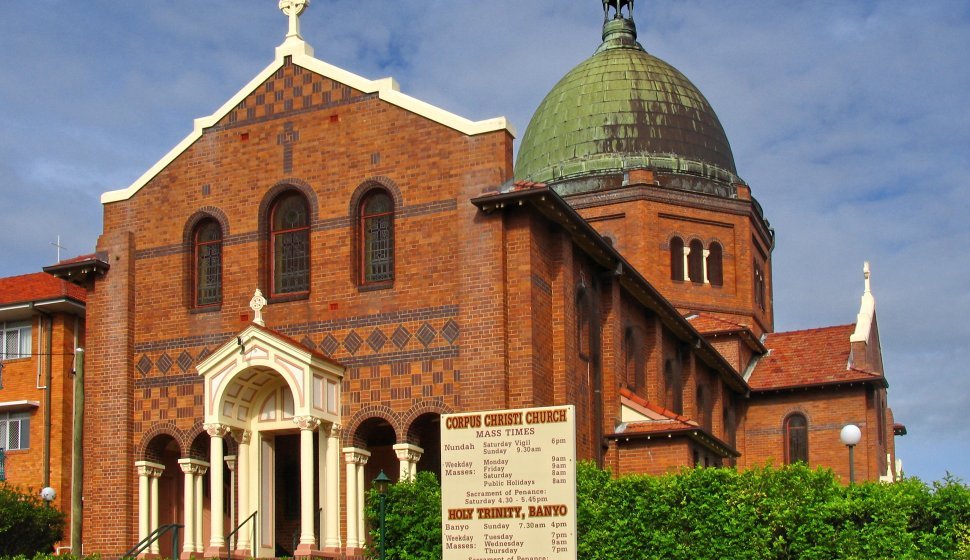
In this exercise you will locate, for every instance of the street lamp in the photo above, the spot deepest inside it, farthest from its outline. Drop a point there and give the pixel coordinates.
(48, 495)
(850, 436)
(381, 483)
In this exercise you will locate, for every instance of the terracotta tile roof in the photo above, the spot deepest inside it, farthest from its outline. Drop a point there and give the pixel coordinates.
(705, 324)
(808, 357)
(38, 286)
(663, 412)
(666, 422)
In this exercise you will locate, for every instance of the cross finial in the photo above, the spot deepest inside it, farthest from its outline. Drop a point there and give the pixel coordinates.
(866, 273)
(293, 9)
(257, 304)
(59, 247)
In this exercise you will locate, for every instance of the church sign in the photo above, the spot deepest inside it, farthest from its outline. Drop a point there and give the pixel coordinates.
(508, 484)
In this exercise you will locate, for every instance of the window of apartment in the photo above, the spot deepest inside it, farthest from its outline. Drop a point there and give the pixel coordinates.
(290, 244)
(14, 430)
(208, 263)
(715, 266)
(796, 439)
(676, 259)
(376, 230)
(14, 340)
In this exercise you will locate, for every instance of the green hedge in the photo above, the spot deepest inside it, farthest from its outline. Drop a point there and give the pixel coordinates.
(28, 525)
(760, 514)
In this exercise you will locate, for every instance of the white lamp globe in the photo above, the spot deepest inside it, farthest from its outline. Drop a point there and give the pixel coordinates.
(850, 435)
(48, 494)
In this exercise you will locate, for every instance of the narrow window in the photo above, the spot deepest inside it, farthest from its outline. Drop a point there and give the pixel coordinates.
(672, 387)
(208, 264)
(14, 340)
(377, 238)
(633, 359)
(583, 335)
(695, 262)
(715, 268)
(290, 245)
(759, 286)
(676, 259)
(796, 439)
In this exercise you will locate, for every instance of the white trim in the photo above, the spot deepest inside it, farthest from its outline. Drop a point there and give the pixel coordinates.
(18, 405)
(387, 89)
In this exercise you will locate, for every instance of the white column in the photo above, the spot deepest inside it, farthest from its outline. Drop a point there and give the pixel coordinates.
(687, 263)
(331, 486)
(707, 253)
(244, 541)
(203, 468)
(307, 425)
(153, 477)
(217, 539)
(408, 455)
(144, 468)
(231, 463)
(356, 459)
(188, 506)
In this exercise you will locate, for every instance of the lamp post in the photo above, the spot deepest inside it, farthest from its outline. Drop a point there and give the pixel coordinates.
(381, 483)
(48, 495)
(850, 436)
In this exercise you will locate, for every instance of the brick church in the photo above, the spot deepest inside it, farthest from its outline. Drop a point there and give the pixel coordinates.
(287, 302)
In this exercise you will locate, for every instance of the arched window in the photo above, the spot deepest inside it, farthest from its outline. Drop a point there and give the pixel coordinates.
(583, 327)
(695, 262)
(759, 286)
(677, 259)
(207, 281)
(715, 268)
(673, 391)
(703, 411)
(290, 244)
(796, 439)
(633, 359)
(376, 230)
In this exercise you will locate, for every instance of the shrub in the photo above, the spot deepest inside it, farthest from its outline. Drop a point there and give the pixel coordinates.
(28, 525)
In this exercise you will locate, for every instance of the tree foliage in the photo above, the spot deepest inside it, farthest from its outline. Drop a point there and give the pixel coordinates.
(27, 524)
(767, 513)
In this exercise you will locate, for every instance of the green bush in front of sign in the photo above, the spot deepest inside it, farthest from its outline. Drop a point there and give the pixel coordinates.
(768, 513)
(27, 524)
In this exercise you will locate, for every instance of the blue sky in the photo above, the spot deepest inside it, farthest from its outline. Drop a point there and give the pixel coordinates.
(849, 120)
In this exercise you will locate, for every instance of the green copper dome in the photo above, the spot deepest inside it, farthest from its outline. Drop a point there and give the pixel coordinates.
(621, 109)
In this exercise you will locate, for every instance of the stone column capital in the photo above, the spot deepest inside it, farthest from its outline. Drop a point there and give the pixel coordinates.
(193, 466)
(335, 431)
(231, 462)
(408, 452)
(149, 468)
(242, 437)
(356, 455)
(217, 430)
(309, 423)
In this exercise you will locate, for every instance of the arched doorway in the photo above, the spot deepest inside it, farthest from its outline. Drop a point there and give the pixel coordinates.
(426, 431)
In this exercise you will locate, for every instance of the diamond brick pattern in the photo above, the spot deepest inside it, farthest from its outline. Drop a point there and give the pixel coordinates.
(144, 365)
(352, 342)
(184, 361)
(401, 337)
(329, 345)
(164, 363)
(450, 331)
(205, 353)
(307, 343)
(376, 340)
(426, 334)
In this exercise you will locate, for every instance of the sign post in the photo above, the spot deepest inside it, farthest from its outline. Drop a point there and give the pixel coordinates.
(508, 484)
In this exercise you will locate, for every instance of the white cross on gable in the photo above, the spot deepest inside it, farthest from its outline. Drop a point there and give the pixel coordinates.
(293, 9)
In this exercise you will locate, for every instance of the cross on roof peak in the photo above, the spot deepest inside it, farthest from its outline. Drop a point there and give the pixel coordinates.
(292, 9)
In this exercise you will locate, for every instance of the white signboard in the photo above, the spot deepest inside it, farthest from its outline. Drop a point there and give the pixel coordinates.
(508, 484)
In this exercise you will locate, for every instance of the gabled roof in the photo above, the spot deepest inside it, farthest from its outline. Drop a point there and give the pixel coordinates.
(711, 326)
(643, 419)
(37, 287)
(807, 358)
(301, 54)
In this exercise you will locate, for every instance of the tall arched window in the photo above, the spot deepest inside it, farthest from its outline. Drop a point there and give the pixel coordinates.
(695, 262)
(796, 439)
(376, 230)
(677, 259)
(290, 244)
(759, 286)
(633, 359)
(207, 281)
(583, 327)
(715, 268)
(673, 389)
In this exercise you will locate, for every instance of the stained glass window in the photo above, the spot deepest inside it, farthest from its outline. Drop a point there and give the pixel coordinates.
(290, 242)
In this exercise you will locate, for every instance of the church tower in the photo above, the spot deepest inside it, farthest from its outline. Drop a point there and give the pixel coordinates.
(635, 147)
